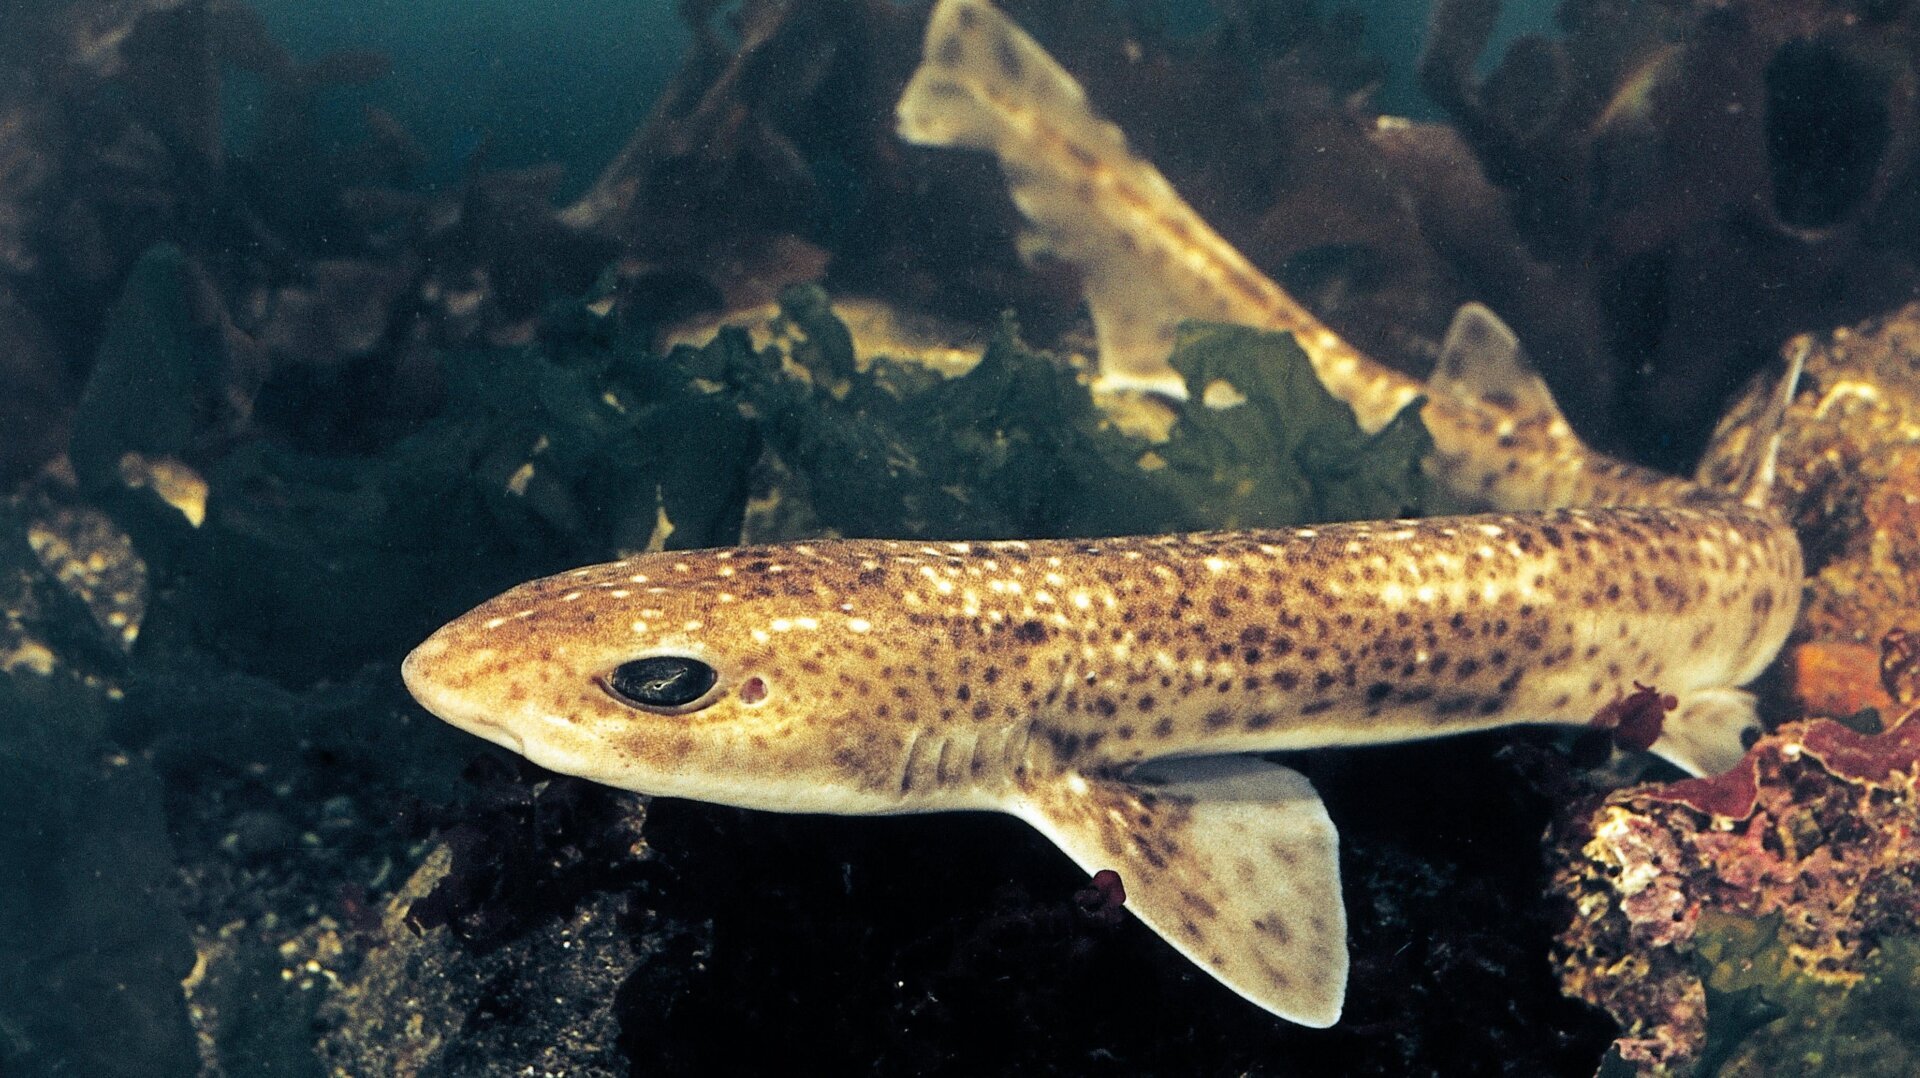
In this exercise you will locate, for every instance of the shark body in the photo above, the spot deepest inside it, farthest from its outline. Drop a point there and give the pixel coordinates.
(1107, 690)
(1149, 262)
(1111, 691)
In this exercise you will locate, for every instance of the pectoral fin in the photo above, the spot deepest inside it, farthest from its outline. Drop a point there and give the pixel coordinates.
(1231, 859)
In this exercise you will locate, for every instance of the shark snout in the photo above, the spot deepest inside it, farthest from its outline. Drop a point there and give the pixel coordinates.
(431, 674)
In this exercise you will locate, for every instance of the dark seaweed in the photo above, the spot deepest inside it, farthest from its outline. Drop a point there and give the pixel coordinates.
(93, 944)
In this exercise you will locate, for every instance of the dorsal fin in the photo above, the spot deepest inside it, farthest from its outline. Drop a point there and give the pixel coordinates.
(1481, 361)
(1748, 471)
(1231, 859)
(1149, 262)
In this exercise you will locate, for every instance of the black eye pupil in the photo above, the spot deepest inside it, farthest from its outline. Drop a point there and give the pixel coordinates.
(662, 680)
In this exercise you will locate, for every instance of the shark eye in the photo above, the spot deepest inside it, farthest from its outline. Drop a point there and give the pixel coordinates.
(661, 681)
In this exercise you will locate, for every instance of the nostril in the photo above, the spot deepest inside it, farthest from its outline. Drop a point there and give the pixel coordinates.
(753, 690)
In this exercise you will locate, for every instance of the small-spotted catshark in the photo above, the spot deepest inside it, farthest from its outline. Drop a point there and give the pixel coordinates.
(1112, 692)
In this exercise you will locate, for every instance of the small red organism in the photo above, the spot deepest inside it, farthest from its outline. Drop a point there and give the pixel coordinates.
(1636, 718)
(1104, 898)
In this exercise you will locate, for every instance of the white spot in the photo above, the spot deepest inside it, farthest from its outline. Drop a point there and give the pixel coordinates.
(495, 623)
(1221, 395)
(760, 636)
(619, 593)
(860, 625)
(1082, 601)
(570, 597)
(1217, 565)
(637, 578)
(1492, 531)
(639, 627)
(781, 625)
(695, 626)
(807, 623)
(1076, 785)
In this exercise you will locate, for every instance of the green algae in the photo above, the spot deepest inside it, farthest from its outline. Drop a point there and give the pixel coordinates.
(1291, 452)
(1016, 446)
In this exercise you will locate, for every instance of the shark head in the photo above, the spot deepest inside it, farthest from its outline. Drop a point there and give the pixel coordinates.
(734, 679)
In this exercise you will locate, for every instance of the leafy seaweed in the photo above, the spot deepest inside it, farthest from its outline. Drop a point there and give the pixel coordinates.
(1017, 446)
(1285, 451)
(307, 565)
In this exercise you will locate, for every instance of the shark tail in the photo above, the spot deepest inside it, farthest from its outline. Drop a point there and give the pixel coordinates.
(1149, 261)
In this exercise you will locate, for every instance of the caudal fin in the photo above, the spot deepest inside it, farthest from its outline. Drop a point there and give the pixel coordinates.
(1148, 260)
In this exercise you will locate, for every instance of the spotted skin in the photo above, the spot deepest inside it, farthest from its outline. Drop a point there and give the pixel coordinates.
(910, 674)
(874, 676)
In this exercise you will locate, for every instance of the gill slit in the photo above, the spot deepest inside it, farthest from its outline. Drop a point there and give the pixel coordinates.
(906, 760)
